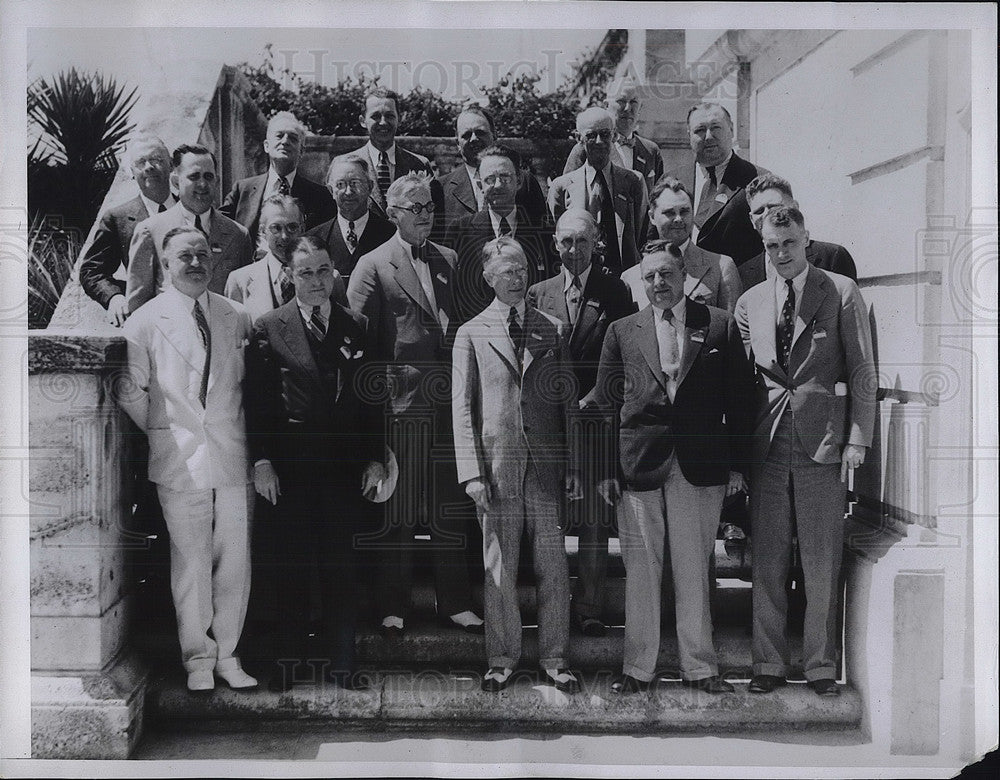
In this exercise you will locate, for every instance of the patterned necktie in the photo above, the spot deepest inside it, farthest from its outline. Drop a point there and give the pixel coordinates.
(505, 227)
(383, 176)
(206, 342)
(708, 193)
(786, 327)
(516, 334)
(669, 354)
(162, 208)
(286, 285)
(573, 296)
(316, 324)
(613, 256)
(197, 224)
(283, 188)
(352, 237)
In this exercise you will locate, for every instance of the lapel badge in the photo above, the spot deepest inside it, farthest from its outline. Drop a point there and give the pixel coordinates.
(347, 339)
(699, 337)
(623, 197)
(549, 354)
(442, 278)
(536, 335)
(216, 249)
(346, 353)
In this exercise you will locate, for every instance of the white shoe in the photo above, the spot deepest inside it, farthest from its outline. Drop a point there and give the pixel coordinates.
(233, 675)
(201, 680)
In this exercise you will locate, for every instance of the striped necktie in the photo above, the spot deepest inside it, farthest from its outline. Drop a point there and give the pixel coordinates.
(383, 175)
(316, 324)
(206, 341)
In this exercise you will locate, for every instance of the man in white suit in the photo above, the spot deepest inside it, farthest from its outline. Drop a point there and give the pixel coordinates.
(512, 389)
(184, 389)
(267, 283)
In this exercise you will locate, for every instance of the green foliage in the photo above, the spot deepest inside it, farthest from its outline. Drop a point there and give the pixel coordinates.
(52, 252)
(521, 111)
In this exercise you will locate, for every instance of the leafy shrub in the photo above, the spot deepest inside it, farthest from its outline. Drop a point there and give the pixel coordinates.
(52, 252)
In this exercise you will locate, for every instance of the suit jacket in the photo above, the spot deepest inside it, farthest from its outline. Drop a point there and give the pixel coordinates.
(829, 257)
(830, 383)
(109, 250)
(458, 200)
(646, 160)
(503, 417)
(229, 243)
(708, 420)
(406, 162)
(628, 191)
(301, 411)
(252, 286)
(408, 336)
(709, 278)
(244, 200)
(378, 230)
(605, 299)
(469, 234)
(190, 447)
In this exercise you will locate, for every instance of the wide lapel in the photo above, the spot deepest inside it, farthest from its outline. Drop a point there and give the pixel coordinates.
(499, 340)
(695, 331)
(407, 279)
(553, 300)
(293, 332)
(646, 337)
(222, 323)
(177, 325)
(591, 307)
(576, 189)
(623, 208)
(222, 233)
(441, 278)
(461, 189)
(696, 268)
(256, 197)
(762, 310)
(813, 294)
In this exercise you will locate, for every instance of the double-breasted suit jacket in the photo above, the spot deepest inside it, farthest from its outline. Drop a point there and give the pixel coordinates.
(244, 200)
(377, 231)
(109, 250)
(228, 242)
(631, 202)
(253, 286)
(728, 229)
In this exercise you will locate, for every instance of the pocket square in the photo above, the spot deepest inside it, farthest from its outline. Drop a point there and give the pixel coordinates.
(216, 249)
(536, 336)
(699, 337)
(623, 197)
(713, 350)
(442, 278)
(819, 334)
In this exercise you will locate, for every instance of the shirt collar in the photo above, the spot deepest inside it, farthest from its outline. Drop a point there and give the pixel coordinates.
(272, 179)
(325, 310)
(568, 278)
(798, 281)
(152, 207)
(186, 300)
(274, 265)
(374, 153)
(495, 220)
(502, 310)
(206, 218)
(590, 172)
(406, 245)
(679, 309)
(359, 224)
(720, 169)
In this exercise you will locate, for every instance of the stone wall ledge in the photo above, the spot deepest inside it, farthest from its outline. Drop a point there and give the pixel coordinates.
(66, 351)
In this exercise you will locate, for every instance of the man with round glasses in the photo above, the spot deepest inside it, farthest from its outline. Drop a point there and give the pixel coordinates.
(404, 287)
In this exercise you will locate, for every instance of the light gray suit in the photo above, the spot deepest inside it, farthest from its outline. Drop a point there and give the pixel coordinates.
(253, 286)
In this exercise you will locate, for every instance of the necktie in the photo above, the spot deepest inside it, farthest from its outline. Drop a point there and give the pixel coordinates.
(623, 141)
(162, 208)
(352, 237)
(786, 327)
(613, 256)
(669, 354)
(573, 296)
(283, 188)
(505, 227)
(206, 342)
(197, 224)
(707, 199)
(316, 324)
(383, 175)
(418, 253)
(286, 285)
(516, 333)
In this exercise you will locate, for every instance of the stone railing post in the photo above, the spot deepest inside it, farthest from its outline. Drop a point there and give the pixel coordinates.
(87, 690)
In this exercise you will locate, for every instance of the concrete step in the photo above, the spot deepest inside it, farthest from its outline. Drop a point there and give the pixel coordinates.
(434, 701)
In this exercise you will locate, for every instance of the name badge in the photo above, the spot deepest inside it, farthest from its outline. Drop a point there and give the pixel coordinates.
(819, 334)
(216, 249)
(622, 197)
(698, 337)
(840, 388)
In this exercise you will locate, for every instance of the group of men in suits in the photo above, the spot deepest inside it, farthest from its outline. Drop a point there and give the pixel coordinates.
(544, 367)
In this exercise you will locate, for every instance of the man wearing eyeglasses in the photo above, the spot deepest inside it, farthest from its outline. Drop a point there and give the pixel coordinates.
(267, 283)
(404, 287)
(500, 172)
(358, 227)
(614, 196)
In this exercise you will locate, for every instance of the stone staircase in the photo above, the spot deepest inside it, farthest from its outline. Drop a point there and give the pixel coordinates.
(427, 681)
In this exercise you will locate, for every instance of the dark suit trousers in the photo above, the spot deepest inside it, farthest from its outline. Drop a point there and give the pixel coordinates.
(791, 491)
(427, 495)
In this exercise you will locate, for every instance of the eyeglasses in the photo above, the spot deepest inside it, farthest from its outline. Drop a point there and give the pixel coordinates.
(512, 273)
(593, 135)
(498, 178)
(416, 209)
(291, 229)
(354, 184)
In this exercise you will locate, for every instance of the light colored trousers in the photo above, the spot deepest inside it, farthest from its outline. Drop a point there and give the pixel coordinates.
(538, 514)
(209, 570)
(686, 517)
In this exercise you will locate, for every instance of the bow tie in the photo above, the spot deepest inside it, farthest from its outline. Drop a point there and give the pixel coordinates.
(623, 141)
(418, 253)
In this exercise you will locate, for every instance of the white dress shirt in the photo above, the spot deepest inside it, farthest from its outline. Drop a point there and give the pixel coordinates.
(624, 152)
(701, 177)
(359, 225)
(271, 185)
(373, 155)
(511, 220)
(423, 271)
(500, 311)
(568, 284)
(781, 291)
(307, 312)
(152, 207)
(206, 219)
(590, 173)
(662, 333)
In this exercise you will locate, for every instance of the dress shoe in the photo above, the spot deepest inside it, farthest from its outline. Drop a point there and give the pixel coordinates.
(765, 683)
(495, 679)
(357, 681)
(201, 681)
(232, 674)
(714, 684)
(825, 687)
(562, 680)
(590, 626)
(468, 621)
(734, 540)
(626, 683)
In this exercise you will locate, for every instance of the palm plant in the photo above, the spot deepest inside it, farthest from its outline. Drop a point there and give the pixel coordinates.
(51, 255)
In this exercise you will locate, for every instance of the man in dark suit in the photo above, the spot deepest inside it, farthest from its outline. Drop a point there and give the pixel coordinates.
(357, 228)
(511, 396)
(586, 299)
(616, 197)
(283, 144)
(718, 176)
(462, 191)
(149, 162)
(499, 169)
(316, 450)
(807, 331)
(404, 288)
(389, 161)
(679, 383)
(766, 192)
(628, 148)
(195, 180)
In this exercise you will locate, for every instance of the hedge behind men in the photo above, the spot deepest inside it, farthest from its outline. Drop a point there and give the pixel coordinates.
(149, 162)
(808, 333)
(614, 196)
(283, 144)
(185, 372)
(195, 180)
(628, 149)
(513, 460)
(678, 381)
